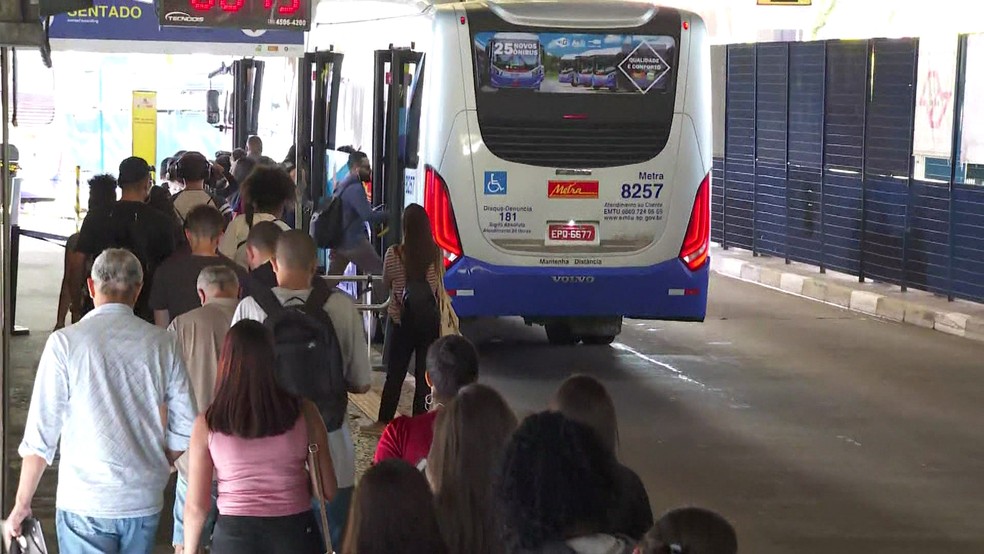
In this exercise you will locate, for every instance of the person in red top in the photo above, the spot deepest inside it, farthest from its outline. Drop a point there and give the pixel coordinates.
(452, 364)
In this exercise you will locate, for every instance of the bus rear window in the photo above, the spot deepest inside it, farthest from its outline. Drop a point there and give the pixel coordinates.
(573, 63)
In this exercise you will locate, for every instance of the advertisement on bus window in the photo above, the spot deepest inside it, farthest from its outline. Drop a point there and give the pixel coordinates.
(573, 63)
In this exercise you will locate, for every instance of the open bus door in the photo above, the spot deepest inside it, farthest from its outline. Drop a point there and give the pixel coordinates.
(396, 121)
(319, 77)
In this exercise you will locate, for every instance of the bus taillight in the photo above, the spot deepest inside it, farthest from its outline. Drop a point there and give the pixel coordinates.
(696, 243)
(437, 202)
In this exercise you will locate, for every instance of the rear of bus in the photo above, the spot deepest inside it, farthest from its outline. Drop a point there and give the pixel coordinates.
(575, 207)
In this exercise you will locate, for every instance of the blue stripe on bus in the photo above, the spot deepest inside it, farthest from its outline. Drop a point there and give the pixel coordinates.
(654, 292)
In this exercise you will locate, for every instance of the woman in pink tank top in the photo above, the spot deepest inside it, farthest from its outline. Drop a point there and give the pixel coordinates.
(254, 440)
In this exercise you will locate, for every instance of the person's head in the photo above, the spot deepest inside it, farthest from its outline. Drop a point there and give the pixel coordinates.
(558, 482)
(261, 243)
(452, 363)
(238, 154)
(690, 531)
(224, 161)
(134, 178)
(420, 252)
(254, 147)
(217, 281)
(102, 192)
(160, 199)
(192, 169)
(469, 435)
(241, 168)
(358, 162)
(203, 227)
(393, 511)
(585, 399)
(116, 278)
(248, 402)
(268, 189)
(295, 260)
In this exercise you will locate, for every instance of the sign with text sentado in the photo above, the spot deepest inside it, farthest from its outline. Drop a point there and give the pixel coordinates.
(129, 26)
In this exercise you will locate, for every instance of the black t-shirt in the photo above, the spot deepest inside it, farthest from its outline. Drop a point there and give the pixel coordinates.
(138, 227)
(176, 282)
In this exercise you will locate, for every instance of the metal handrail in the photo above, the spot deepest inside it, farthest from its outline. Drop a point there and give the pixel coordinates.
(368, 280)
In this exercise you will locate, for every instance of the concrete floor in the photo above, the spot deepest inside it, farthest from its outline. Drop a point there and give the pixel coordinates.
(812, 429)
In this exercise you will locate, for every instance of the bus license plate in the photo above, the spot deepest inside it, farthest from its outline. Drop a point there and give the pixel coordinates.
(572, 234)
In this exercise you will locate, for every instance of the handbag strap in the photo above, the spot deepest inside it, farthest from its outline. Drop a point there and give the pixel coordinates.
(313, 420)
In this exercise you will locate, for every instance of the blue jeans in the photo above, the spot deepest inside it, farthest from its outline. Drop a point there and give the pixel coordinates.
(96, 535)
(180, 493)
(338, 510)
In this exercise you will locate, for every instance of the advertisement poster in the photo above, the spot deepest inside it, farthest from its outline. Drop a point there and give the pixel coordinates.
(574, 62)
(144, 127)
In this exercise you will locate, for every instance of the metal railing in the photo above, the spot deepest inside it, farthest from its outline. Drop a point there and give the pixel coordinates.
(363, 299)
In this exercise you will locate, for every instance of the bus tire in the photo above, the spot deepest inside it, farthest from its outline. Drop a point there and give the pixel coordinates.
(598, 340)
(560, 334)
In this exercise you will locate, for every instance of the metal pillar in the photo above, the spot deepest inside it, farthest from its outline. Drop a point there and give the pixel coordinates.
(7, 316)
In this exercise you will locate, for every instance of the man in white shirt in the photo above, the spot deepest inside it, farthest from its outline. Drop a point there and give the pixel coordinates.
(294, 264)
(201, 333)
(104, 387)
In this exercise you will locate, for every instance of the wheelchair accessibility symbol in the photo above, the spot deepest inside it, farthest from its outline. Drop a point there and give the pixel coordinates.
(495, 182)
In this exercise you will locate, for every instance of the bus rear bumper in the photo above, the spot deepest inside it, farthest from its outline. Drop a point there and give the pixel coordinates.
(667, 291)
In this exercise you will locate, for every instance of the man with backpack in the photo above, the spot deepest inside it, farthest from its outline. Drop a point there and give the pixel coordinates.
(348, 239)
(134, 225)
(321, 352)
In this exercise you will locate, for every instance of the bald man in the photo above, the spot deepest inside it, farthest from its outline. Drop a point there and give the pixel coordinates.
(295, 263)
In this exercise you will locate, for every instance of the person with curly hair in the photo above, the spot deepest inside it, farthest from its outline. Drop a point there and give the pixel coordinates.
(557, 486)
(266, 192)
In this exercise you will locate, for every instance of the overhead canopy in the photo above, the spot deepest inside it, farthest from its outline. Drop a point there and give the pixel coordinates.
(128, 26)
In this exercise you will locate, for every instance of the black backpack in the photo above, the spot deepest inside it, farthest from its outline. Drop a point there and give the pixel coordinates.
(420, 313)
(328, 224)
(308, 353)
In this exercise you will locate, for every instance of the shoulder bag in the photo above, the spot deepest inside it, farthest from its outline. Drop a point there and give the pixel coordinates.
(313, 420)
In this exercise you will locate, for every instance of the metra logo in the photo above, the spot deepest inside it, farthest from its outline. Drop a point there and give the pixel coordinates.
(572, 189)
(181, 17)
(573, 279)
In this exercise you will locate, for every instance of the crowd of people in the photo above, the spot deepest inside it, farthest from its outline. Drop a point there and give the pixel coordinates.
(204, 343)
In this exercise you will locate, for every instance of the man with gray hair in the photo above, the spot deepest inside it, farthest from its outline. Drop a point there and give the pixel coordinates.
(201, 333)
(113, 388)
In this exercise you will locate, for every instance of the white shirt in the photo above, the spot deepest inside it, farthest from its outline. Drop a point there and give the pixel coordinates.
(352, 342)
(233, 243)
(99, 387)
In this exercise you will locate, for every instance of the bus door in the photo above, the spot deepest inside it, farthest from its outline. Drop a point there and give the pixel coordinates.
(319, 77)
(396, 119)
(247, 76)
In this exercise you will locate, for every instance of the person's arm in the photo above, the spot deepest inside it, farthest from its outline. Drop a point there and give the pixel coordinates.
(230, 241)
(64, 297)
(198, 501)
(388, 262)
(180, 403)
(75, 279)
(326, 468)
(158, 300)
(354, 347)
(45, 419)
(356, 196)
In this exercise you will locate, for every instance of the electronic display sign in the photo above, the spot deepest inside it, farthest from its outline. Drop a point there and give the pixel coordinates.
(294, 15)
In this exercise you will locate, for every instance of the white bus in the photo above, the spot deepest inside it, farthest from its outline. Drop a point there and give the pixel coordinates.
(571, 207)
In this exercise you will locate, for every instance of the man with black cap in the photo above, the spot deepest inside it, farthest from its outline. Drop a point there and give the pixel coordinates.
(134, 225)
(192, 169)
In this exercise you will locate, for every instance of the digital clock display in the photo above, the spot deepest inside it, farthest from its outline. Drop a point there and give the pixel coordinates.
(240, 14)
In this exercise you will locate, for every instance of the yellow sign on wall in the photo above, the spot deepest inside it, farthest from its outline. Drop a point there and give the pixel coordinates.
(144, 118)
(785, 2)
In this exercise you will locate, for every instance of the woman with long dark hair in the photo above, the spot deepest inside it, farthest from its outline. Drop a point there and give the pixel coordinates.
(584, 399)
(255, 437)
(469, 436)
(393, 511)
(410, 271)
